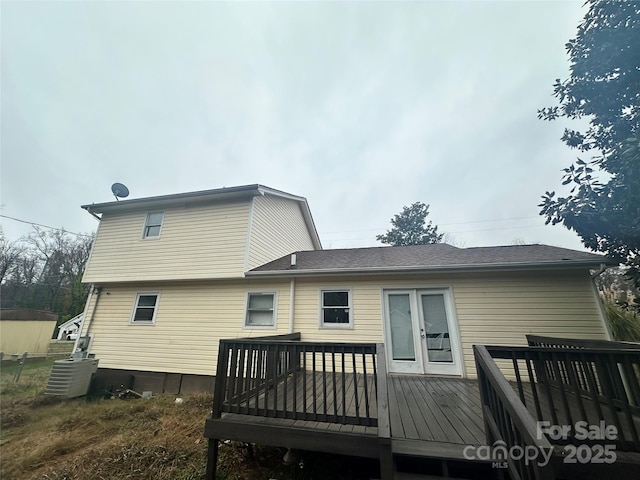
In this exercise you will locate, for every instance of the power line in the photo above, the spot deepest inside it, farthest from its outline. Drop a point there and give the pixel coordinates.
(457, 231)
(33, 224)
(439, 224)
(450, 232)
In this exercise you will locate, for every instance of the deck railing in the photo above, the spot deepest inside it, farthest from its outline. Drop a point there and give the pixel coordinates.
(624, 375)
(565, 386)
(507, 420)
(283, 377)
(557, 342)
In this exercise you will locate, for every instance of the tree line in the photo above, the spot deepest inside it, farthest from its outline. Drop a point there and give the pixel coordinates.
(43, 271)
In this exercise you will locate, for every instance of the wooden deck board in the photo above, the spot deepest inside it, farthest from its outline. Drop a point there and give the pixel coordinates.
(439, 424)
(408, 425)
(434, 409)
(412, 420)
(430, 416)
(467, 396)
(394, 413)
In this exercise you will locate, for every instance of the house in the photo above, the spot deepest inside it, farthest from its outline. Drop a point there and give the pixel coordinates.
(362, 351)
(173, 275)
(69, 329)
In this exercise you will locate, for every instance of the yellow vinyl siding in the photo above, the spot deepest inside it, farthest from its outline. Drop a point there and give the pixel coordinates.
(366, 311)
(502, 309)
(197, 242)
(496, 308)
(491, 308)
(277, 229)
(190, 321)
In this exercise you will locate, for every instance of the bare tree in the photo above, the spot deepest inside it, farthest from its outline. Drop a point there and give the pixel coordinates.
(10, 253)
(46, 272)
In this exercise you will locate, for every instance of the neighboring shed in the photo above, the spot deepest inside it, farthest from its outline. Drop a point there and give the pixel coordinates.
(26, 331)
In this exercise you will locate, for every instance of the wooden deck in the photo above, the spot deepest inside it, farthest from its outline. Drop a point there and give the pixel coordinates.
(434, 417)
(339, 398)
(430, 417)
(257, 419)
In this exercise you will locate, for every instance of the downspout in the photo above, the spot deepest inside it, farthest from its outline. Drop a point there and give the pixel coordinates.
(84, 317)
(292, 292)
(94, 290)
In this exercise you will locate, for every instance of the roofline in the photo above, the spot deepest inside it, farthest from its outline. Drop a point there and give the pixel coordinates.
(226, 193)
(429, 269)
(223, 193)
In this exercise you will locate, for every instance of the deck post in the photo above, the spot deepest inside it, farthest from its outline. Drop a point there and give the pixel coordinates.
(484, 398)
(212, 459)
(387, 466)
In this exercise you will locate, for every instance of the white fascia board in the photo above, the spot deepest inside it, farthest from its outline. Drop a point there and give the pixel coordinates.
(175, 199)
(422, 269)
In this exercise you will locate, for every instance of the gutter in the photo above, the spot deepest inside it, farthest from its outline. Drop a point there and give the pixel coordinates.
(419, 269)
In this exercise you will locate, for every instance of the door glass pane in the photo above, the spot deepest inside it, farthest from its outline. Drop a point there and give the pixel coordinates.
(436, 329)
(401, 327)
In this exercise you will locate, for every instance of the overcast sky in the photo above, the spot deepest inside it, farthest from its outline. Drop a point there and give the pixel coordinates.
(362, 108)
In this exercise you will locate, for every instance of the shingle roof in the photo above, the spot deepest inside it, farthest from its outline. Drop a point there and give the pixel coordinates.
(428, 257)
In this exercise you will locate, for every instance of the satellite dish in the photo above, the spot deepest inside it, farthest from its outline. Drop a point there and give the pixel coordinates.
(119, 190)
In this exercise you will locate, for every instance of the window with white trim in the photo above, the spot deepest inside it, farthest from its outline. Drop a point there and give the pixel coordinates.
(335, 308)
(260, 309)
(153, 225)
(145, 308)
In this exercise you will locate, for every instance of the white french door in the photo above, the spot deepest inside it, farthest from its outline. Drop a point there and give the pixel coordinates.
(421, 332)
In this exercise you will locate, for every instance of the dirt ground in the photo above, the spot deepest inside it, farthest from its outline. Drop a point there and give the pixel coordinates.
(47, 438)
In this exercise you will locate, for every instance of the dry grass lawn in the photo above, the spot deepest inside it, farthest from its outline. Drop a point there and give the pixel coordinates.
(46, 438)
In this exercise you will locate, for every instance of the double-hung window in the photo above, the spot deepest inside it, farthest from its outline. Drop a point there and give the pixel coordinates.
(261, 309)
(335, 309)
(145, 309)
(153, 225)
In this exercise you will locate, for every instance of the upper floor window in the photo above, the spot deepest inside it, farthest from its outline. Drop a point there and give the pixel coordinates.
(145, 308)
(335, 306)
(261, 310)
(153, 224)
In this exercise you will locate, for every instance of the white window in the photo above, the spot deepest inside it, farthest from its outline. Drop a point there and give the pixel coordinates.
(261, 310)
(153, 224)
(145, 308)
(335, 309)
